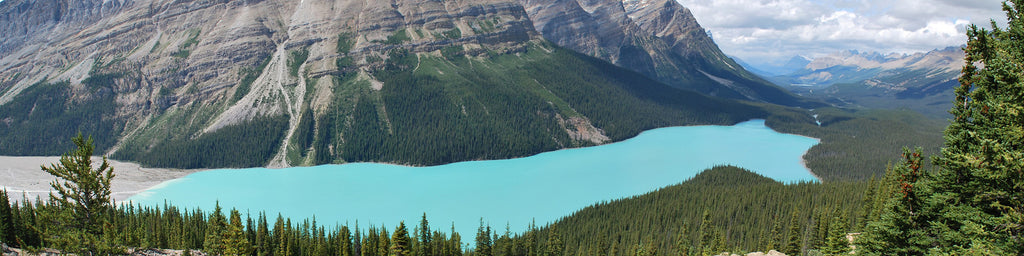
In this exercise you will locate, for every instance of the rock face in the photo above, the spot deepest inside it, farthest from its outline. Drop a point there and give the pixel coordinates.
(659, 38)
(168, 70)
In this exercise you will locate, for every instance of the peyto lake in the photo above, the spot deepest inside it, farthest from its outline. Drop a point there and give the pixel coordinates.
(542, 187)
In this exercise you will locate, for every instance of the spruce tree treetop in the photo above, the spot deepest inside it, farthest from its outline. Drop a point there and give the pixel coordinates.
(426, 245)
(979, 189)
(6, 227)
(82, 197)
(401, 244)
(80, 187)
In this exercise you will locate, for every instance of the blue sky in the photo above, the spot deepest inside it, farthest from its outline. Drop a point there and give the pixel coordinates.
(761, 31)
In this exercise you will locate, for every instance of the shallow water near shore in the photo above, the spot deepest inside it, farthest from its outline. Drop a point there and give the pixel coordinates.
(542, 187)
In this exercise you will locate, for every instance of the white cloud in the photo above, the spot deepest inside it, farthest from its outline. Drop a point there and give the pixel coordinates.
(761, 31)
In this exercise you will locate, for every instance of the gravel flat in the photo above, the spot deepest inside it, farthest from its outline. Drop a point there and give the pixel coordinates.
(20, 175)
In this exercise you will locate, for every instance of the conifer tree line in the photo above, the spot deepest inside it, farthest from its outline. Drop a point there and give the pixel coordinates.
(28, 226)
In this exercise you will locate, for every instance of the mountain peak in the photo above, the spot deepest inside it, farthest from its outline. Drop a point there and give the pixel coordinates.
(944, 59)
(658, 38)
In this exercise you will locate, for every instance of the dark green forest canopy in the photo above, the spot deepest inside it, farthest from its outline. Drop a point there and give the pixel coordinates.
(42, 118)
(746, 212)
(858, 144)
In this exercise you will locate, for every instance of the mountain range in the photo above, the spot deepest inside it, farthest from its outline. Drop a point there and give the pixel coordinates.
(203, 84)
(773, 69)
(921, 81)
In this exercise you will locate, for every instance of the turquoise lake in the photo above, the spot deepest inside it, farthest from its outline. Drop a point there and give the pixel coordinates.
(542, 187)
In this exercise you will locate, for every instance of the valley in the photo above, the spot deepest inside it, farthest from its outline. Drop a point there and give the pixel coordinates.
(921, 82)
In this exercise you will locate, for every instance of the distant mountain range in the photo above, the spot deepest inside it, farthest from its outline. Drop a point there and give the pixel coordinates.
(775, 69)
(219, 83)
(920, 81)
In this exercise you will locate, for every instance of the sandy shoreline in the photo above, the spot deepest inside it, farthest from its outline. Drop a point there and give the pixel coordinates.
(22, 175)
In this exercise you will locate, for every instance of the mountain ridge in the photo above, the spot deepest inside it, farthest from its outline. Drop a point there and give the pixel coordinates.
(922, 81)
(176, 80)
(658, 38)
(828, 70)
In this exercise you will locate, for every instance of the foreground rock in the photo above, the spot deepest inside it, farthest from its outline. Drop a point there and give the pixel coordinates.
(8, 251)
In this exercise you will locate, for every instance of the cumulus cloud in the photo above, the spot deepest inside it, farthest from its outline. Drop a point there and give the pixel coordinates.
(763, 31)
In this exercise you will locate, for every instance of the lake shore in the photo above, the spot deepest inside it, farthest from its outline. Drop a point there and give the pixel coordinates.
(22, 175)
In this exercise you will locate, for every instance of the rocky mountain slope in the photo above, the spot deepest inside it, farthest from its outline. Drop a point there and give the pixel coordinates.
(920, 81)
(658, 38)
(241, 83)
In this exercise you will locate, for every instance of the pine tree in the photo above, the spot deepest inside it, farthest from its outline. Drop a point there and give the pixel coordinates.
(774, 235)
(600, 250)
(6, 219)
(531, 239)
(369, 247)
(344, 242)
(483, 240)
(400, 241)
(81, 201)
(837, 244)
(233, 237)
(426, 247)
(683, 245)
(262, 236)
(646, 249)
(866, 204)
(902, 228)
(384, 242)
(792, 246)
(503, 245)
(554, 245)
(707, 235)
(357, 242)
(456, 242)
(820, 231)
(215, 227)
(979, 187)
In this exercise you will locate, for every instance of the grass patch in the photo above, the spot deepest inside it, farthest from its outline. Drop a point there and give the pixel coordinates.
(454, 33)
(400, 36)
(185, 49)
(295, 60)
(345, 42)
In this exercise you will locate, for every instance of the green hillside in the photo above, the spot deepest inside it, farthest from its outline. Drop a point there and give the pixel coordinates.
(857, 144)
(40, 120)
(721, 209)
